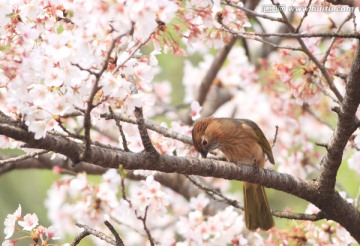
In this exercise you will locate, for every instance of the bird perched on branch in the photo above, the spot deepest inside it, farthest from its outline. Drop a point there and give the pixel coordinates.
(243, 142)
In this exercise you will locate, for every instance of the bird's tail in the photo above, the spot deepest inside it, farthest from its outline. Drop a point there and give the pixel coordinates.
(257, 210)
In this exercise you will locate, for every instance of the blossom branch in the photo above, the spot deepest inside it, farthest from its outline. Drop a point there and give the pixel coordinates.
(139, 217)
(94, 91)
(306, 50)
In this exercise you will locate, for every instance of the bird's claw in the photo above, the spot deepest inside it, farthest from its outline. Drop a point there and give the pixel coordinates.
(256, 165)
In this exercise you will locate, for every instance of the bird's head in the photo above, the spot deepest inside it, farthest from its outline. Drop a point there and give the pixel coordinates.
(203, 141)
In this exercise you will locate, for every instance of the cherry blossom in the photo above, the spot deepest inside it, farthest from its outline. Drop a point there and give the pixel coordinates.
(29, 222)
(195, 110)
(10, 222)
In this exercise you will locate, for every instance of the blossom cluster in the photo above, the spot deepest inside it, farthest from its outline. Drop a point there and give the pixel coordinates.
(28, 225)
(51, 52)
(76, 199)
(306, 232)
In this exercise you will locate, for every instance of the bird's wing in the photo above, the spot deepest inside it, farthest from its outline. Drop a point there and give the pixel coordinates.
(262, 140)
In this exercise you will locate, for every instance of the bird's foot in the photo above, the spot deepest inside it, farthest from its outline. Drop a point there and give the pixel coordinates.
(256, 164)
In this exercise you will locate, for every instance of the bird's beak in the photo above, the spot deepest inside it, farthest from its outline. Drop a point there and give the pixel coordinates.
(204, 154)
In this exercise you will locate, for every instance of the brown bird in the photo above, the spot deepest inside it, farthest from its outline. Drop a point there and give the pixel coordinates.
(243, 142)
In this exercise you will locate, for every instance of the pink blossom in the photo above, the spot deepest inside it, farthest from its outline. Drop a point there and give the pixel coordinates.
(29, 222)
(354, 162)
(195, 110)
(9, 243)
(199, 202)
(10, 221)
(52, 233)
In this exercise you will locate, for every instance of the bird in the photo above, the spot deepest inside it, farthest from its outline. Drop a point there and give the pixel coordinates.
(242, 142)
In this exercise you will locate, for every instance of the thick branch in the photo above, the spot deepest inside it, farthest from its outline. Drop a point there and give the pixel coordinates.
(168, 164)
(332, 205)
(345, 127)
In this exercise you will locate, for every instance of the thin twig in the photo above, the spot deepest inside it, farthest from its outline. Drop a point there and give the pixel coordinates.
(280, 214)
(251, 12)
(327, 52)
(119, 241)
(249, 35)
(90, 101)
(148, 124)
(139, 217)
(73, 135)
(267, 49)
(118, 124)
(80, 237)
(143, 219)
(132, 54)
(307, 109)
(324, 145)
(341, 75)
(216, 195)
(275, 136)
(129, 227)
(90, 71)
(304, 16)
(97, 234)
(23, 157)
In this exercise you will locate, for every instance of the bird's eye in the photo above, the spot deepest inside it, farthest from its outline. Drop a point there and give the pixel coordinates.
(204, 142)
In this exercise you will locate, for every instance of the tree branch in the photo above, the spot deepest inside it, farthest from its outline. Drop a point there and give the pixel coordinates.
(80, 237)
(119, 241)
(251, 13)
(95, 89)
(345, 126)
(306, 50)
(151, 126)
(96, 233)
(331, 203)
(324, 59)
(22, 157)
(218, 196)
